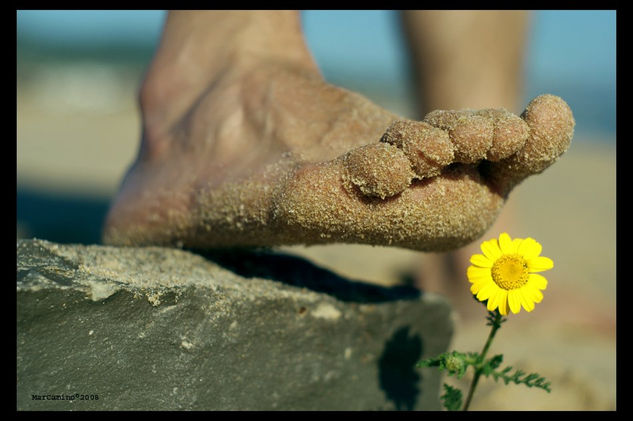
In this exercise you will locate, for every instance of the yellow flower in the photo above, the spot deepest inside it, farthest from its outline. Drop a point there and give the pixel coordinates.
(505, 274)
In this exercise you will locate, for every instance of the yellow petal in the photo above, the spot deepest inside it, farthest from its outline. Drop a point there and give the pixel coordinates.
(506, 244)
(537, 281)
(502, 297)
(529, 248)
(516, 243)
(528, 304)
(486, 291)
(514, 301)
(478, 285)
(481, 261)
(492, 301)
(539, 264)
(491, 249)
(475, 273)
(532, 293)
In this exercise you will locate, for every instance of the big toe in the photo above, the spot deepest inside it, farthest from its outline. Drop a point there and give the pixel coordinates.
(551, 124)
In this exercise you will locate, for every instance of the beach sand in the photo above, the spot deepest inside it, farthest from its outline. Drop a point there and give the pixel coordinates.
(570, 209)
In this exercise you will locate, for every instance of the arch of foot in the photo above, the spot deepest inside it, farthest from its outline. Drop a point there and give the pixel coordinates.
(409, 150)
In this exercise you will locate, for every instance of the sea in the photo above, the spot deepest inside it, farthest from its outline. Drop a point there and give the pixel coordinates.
(570, 53)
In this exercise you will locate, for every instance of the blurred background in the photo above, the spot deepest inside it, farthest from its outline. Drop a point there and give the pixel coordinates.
(78, 128)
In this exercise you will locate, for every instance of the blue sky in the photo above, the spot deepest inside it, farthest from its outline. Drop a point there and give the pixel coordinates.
(571, 53)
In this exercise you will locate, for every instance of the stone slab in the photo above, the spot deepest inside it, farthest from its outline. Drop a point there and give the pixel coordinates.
(107, 328)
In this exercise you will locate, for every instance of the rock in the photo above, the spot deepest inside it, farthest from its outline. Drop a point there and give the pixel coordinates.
(106, 328)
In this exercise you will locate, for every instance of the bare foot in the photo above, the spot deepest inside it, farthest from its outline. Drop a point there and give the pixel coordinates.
(267, 153)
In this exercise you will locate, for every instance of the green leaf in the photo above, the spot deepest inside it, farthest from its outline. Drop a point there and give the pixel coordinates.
(452, 398)
(491, 364)
(519, 376)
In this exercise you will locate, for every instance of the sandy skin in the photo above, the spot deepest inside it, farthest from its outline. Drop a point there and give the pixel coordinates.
(261, 151)
(427, 186)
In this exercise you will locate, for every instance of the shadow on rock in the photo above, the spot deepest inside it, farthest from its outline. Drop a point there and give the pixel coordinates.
(397, 375)
(301, 273)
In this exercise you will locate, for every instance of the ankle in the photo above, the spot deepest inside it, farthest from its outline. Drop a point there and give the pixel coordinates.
(201, 48)
(202, 44)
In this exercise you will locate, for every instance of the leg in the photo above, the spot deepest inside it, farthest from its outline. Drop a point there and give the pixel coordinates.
(245, 144)
(465, 59)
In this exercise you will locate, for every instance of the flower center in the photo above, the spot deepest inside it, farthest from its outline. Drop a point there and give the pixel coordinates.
(510, 271)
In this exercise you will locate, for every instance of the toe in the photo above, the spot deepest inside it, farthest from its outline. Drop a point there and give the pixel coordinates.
(471, 134)
(378, 170)
(551, 124)
(428, 148)
(509, 133)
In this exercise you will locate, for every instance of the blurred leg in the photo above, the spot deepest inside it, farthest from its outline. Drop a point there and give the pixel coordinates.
(465, 59)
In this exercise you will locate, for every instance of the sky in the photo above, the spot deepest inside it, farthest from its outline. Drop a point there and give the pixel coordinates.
(570, 53)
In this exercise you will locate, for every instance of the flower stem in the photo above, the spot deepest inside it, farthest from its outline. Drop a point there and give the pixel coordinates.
(496, 324)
